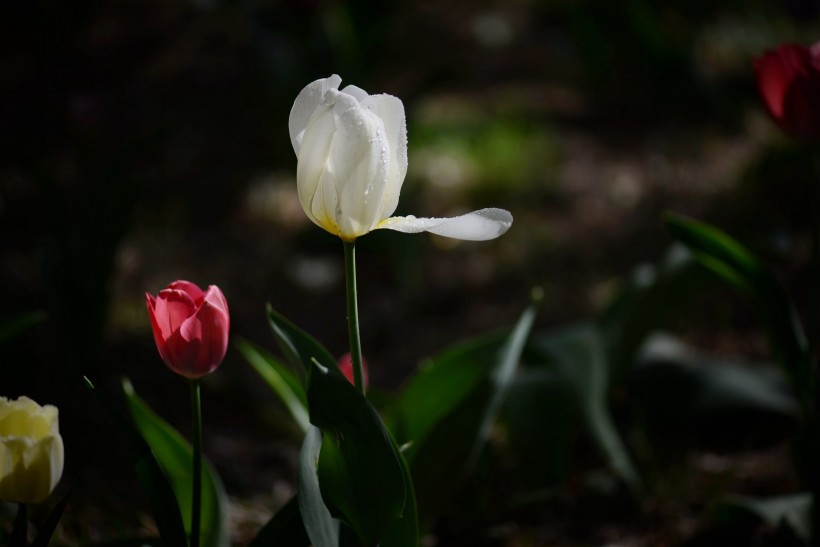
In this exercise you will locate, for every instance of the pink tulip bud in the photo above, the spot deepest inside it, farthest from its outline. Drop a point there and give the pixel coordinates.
(345, 363)
(190, 327)
(788, 79)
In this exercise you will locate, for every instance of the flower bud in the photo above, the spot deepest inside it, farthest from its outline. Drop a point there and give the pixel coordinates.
(351, 151)
(788, 79)
(345, 363)
(190, 327)
(31, 450)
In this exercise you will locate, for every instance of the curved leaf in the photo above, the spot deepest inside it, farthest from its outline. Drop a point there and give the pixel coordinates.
(280, 379)
(321, 527)
(284, 528)
(731, 261)
(175, 454)
(151, 475)
(360, 474)
(446, 411)
(299, 347)
(578, 354)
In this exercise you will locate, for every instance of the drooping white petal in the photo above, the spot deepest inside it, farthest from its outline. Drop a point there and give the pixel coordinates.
(479, 225)
(305, 105)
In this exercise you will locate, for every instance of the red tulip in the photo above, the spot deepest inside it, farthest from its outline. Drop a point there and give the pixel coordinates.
(190, 327)
(345, 363)
(788, 79)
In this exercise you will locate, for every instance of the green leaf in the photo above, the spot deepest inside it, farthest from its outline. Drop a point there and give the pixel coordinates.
(504, 372)
(652, 295)
(445, 413)
(793, 510)
(542, 454)
(404, 532)
(443, 384)
(280, 379)
(176, 456)
(732, 262)
(321, 527)
(364, 481)
(360, 473)
(284, 528)
(151, 475)
(12, 327)
(299, 347)
(438, 414)
(578, 354)
(689, 383)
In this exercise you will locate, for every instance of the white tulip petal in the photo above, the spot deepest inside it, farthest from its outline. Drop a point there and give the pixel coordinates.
(305, 105)
(391, 111)
(479, 225)
(359, 158)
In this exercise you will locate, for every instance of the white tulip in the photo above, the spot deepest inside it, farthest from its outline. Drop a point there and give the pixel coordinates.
(351, 149)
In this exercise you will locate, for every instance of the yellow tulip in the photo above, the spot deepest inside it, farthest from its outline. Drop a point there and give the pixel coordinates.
(31, 450)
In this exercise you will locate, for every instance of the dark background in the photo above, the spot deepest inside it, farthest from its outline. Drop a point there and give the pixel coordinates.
(146, 141)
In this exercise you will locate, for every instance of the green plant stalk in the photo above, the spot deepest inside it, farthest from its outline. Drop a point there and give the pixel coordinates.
(196, 498)
(353, 314)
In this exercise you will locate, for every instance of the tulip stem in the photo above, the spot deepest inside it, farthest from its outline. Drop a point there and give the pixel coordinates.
(196, 498)
(353, 314)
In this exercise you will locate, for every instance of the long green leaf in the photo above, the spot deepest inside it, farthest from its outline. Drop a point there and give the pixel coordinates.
(578, 354)
(321, 527)
(438, 414)
(280, 379)
(445, 413)
(794, 510)
(175, 454)
(151, 475)
(363, 479)
(284, 528)
(731, 261)
(404, 532)
(360, 474)
(679, 381)
(504, 372)
(299, 347)
(651, 297)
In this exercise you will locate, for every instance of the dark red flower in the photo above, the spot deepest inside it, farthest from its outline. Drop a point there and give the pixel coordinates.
(788, 79)
(190, 327)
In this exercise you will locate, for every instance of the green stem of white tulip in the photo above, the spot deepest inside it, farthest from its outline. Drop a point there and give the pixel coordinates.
(353, 315)
(196, 498)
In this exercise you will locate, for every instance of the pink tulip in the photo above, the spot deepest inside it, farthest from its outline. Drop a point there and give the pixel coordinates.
(788, 79)
(190, 327)
(345, 363)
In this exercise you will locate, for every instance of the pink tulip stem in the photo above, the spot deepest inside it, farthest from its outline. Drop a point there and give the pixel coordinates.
(196, 498)
(353, 314)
